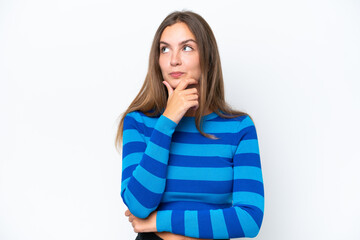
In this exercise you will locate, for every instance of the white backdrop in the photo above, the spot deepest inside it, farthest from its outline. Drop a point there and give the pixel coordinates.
(68, 68)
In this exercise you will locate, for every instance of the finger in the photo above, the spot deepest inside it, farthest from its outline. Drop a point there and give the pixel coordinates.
(192, 97)
(183, 84)
(194, 104)
(134, 227)
(190, 86)
(190, 91)
(169, 88)
(127, 212)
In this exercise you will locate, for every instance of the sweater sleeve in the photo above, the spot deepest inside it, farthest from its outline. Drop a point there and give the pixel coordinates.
(144, 165)
(244, 217)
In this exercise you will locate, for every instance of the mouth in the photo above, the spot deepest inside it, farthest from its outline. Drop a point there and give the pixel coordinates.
(176, 74)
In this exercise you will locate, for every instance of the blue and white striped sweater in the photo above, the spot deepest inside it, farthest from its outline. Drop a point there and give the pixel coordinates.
(201, 187)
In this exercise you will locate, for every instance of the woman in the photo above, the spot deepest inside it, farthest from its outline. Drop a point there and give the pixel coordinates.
(191, 167)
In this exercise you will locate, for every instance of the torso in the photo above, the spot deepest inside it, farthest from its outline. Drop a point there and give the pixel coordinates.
(218, 157)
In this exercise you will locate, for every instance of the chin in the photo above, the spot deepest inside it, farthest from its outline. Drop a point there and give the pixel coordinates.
(174, 82)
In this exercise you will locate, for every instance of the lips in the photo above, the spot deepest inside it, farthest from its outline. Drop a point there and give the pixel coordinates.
(176, 74)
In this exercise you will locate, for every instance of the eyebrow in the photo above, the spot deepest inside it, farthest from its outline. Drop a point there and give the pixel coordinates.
(183, 42)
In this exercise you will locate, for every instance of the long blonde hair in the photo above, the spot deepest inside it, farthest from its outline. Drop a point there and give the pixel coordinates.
(152, 97)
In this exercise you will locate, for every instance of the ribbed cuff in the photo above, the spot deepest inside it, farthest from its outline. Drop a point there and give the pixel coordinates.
(165, 125)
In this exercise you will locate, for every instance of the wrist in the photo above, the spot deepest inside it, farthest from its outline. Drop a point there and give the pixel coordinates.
(170, 117)
(163, 221)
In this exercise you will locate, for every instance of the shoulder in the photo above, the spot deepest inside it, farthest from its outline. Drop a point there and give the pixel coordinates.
(246, 121)
(240, 119)
(247, 128)
(140, 119)
(134, 118)
(138, 115)
(240, 123)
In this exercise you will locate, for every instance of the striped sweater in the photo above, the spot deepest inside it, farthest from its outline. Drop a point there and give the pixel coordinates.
(201, 187)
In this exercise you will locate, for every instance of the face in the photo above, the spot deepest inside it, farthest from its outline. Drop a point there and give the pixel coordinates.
(179, 56)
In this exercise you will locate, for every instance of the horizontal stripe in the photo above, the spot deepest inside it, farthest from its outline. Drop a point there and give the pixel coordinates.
(165, 125)
(128, 171)
(246, 172)
(133, 147)
(246, 122)
(154, 166)
(141, 128)
(248, 133)
(143, 195)
(131, 121)
(188, 186)
(248, 146)
(224, 138)
(162, 123)
(189, 173)
(199, 197)
(132, 135)
(135, 206)
(204, 117)
(247, 159)
(149, 181)
(158, 153)
(142, 118)
(190, 205)
(249, 198)
(220, 119)
(160, 139)
(209, 127)
(247, 185)
(124, 184)
(199, 161)
(131, 159)
(202, 150)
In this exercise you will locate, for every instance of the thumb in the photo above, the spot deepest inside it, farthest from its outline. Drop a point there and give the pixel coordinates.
(169, 88)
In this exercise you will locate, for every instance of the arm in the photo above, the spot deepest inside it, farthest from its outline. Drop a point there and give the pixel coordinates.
(144, 166)
(245, 216)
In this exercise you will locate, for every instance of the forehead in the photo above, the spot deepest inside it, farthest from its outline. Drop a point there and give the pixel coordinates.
(177, 32)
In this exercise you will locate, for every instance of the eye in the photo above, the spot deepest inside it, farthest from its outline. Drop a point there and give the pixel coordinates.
(187, 47)
(164, 49)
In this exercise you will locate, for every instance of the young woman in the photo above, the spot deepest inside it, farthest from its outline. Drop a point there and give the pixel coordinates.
(191, 167)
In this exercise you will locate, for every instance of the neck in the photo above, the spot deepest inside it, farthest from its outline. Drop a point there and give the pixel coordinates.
(191, 112)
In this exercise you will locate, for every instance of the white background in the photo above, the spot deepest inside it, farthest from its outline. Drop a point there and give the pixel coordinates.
(69, 68)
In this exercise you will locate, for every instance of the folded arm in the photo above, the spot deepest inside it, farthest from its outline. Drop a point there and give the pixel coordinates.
(144, 165)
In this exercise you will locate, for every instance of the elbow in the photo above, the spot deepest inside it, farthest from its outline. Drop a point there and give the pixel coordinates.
(140, 213)
(252, 220)
(252, 233)
(254, 229)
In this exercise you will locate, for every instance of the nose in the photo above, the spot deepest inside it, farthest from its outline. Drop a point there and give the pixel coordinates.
(175, 59)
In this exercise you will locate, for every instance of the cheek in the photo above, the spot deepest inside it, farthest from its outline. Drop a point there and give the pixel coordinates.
(196, 67)
(162, 64)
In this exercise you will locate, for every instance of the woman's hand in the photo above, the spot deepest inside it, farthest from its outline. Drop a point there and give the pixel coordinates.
(181, 99)
(142, 224)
